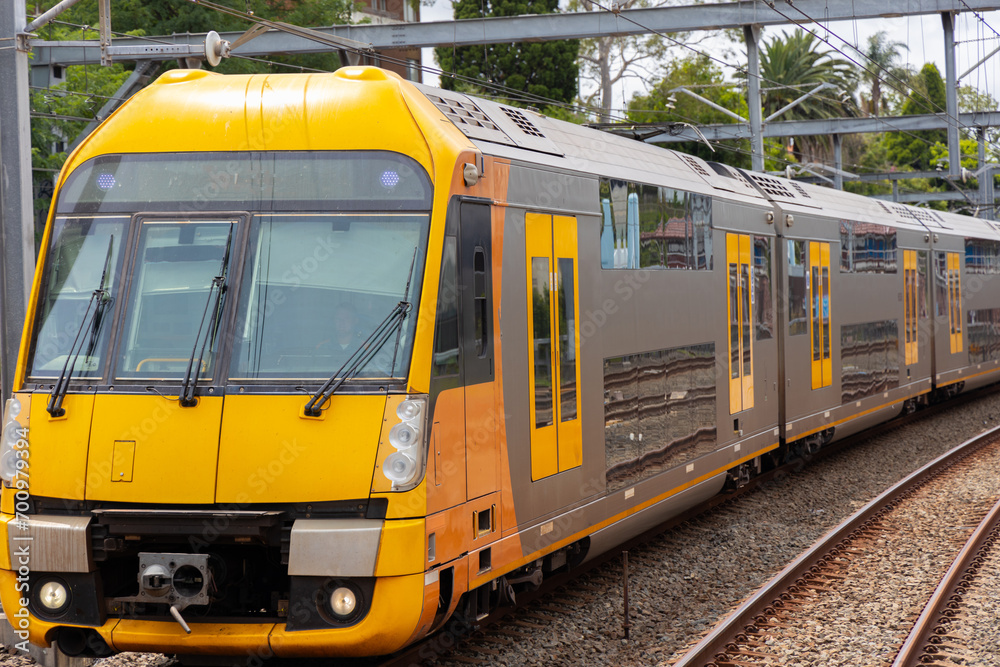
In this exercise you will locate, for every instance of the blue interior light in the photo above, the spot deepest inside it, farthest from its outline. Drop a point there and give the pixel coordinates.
(106, 181)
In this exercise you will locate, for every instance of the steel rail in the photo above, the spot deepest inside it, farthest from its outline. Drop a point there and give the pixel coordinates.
(937, 607)
(715, 643)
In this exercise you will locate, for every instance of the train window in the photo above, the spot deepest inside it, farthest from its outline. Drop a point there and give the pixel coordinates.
(337, 277)
(984, 335)
(762, 304)
(480, 300)
(541, 308)
(869, 355)
(446, 329)
(982, 256)
(867, 248)
(798, 323)
(923, 293)
(677, 422)
(651, 227)
(80, 249)
(176, 261)
(567, 340)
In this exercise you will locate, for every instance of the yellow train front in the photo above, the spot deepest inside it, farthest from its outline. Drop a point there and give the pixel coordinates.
(220, 424)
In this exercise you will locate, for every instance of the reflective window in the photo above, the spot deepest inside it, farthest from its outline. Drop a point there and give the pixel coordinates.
(651, 227)
(798, 322)
(984, 335)
(869, 356)
(567, 340)
(480, 301)
(446, 328)
(336, 277)
(541, 309)
(867, 248)
(982, 256)
(85, 253)
(763, 306)
(659, 411)
(171, 297)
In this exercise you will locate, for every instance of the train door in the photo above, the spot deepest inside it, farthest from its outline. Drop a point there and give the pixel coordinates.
(739, 290)
(477, 345)
(554, 339)
(819, 313)
(953, 278)
(910, 307)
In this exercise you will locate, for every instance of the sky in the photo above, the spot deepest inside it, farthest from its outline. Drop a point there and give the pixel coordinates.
(923, 35)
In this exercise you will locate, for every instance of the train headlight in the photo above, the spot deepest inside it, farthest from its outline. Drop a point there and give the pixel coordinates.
(404, 467)
(409, 409)
(8, 464)
(53, 597)
(11, 433)
(399, 468)
(343, 603)
(403, 436)
(12, 438)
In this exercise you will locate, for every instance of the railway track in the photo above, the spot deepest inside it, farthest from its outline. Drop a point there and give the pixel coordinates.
(467, 641)
(944, 633)
(791, 610)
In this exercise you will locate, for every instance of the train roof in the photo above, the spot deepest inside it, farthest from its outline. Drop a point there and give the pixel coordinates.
(520, 134)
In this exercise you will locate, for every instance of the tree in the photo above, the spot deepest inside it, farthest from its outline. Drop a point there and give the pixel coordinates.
(546, 70)
(881, 60)
(700, 74)
(793, 64)
(911, 150)
(605, 61)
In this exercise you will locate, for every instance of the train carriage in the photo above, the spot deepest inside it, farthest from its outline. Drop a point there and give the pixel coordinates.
(314, 361)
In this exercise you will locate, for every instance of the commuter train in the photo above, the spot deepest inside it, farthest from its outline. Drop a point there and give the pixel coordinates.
(491, 346)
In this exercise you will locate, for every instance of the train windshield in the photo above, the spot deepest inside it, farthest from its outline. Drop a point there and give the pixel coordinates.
(315, 286)
(324, 245)
(73, 329)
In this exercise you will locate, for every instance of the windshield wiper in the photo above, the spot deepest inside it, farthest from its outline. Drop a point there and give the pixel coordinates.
(98, 301)
(364, 352)
(218, 288)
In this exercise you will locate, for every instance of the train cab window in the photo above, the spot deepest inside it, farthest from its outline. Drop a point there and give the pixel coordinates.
(337, 276)
(481, 302)
(171, 291)
(446, 329)
(651, 227)
(798, 320)
(84, 255)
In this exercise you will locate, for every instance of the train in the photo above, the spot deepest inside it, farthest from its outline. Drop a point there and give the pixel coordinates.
(493, 346)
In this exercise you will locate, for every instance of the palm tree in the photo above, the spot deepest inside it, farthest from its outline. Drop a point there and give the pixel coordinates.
(793, 64)
(881, 61)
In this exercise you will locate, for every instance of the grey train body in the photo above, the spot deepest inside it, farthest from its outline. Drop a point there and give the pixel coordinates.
(662, 425)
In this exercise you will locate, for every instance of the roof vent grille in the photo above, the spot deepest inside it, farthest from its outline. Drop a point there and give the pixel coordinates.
(522, 122)
(694, 164)
(772, 186)
(801, 190)
(463, 113)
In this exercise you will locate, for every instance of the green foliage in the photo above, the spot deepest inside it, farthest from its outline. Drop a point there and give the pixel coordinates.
(701, 75)
(911, 150)
(542, 69)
